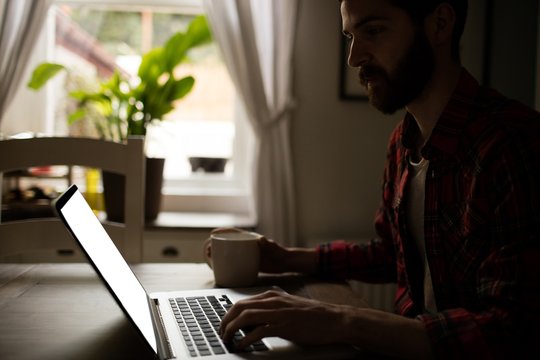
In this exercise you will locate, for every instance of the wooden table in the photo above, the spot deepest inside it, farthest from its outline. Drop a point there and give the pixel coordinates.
(63, 311)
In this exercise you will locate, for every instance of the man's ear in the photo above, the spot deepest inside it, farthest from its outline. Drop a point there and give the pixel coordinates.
(439, 25)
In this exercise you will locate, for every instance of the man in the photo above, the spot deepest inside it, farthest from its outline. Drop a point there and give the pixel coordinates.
(458, 223)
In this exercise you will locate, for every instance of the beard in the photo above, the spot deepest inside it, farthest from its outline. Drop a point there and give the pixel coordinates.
(391, 92)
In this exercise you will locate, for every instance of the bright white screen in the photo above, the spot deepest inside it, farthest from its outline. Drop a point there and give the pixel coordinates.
(112, 266)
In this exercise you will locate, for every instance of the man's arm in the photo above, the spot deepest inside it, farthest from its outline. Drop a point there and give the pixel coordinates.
(278, 259)
(306, 321)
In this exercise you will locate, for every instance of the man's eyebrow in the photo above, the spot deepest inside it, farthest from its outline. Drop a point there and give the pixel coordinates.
(363, 21)
(368, 19)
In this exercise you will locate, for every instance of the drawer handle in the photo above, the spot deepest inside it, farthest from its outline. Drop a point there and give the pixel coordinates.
(170, 251)
(65, 252)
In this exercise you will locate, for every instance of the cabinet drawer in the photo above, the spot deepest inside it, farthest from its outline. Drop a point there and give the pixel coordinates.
(173, 246)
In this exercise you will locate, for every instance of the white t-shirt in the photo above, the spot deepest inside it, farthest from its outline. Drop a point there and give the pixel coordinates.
(415, 221)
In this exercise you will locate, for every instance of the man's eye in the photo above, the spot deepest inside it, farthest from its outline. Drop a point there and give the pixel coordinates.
(374, 30)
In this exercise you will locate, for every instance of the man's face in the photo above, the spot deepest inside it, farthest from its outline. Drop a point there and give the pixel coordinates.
(394, 58)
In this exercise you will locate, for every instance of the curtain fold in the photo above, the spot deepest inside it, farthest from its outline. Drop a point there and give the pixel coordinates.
(20, 24)
(256, 38)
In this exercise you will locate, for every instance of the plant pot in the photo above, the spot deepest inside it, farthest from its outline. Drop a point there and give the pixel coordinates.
(113, 191)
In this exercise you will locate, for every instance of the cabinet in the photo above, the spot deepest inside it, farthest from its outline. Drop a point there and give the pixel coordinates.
(179, 237)
(173, 237)
(174, 245)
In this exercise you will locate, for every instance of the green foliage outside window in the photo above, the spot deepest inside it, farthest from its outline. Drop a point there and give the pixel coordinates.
(129, 105)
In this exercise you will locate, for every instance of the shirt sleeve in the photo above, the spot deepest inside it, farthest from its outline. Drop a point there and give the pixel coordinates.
(370, 262)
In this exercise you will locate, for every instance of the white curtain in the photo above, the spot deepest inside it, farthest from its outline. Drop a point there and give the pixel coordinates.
(20, 23)
(256, 38)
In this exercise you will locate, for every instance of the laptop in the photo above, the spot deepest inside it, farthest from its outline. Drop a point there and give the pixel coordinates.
(174, 325)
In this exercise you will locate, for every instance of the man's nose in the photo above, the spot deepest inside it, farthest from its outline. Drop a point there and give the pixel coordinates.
(358, 54)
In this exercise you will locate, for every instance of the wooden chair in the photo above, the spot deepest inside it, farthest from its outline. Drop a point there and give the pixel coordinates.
(48, 235)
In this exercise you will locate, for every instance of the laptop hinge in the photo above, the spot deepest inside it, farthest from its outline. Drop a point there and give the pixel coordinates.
(164, 345)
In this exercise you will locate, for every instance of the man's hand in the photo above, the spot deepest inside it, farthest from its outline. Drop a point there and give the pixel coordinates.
(276, 313)
(276, 259)
(311, 322)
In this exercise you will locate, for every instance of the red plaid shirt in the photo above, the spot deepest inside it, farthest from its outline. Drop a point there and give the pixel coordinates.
(481, 225)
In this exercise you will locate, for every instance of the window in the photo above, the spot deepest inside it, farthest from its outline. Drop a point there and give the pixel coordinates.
(207, 127)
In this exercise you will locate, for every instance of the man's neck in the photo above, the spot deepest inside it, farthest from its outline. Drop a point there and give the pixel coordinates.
(428, 107)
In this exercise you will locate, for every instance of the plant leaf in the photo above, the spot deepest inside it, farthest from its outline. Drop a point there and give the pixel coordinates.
(42, 73)
(177, 47)
(150, 67)
(174, 51)
(84, 97)
(181, 88)
(76, 115)
(198, 32)
(78, 94)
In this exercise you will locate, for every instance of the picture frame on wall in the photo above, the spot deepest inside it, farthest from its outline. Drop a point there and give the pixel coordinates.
(349, 84)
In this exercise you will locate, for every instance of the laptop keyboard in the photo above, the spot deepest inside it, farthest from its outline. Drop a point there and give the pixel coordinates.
(199, 318)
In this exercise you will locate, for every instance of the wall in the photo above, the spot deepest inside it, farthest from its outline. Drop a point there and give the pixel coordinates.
(537, 88)
(537, 102)
(339, 146)
(512, 46)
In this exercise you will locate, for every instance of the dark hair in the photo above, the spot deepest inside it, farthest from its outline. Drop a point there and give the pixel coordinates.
(418, 10)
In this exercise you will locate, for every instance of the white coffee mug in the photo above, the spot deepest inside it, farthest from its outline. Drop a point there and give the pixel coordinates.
(234, 257)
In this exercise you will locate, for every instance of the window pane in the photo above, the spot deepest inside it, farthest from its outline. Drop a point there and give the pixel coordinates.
(93, 41)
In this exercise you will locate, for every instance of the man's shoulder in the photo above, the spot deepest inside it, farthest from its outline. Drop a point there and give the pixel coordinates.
(499, 117)
(507, 113)
(503, 125)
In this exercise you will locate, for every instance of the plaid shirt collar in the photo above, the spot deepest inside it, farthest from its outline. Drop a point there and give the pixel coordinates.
(446, 137)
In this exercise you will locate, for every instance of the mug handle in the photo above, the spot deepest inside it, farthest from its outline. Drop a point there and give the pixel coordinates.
(207, 251)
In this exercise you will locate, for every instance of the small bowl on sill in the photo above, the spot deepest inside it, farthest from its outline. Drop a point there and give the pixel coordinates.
(208, 164)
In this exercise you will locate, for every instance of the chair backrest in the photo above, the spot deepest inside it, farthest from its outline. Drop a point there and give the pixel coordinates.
(128, 159)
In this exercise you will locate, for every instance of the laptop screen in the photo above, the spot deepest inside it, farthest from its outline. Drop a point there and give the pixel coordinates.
(105, 257)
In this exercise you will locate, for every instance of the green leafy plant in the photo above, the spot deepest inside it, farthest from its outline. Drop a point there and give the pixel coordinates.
(130, 105)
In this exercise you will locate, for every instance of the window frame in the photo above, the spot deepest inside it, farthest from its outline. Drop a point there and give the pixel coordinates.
(199, 192)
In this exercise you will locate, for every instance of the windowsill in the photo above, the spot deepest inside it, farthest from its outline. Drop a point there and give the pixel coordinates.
(211, 191)
(208, 200)
(168, 220)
